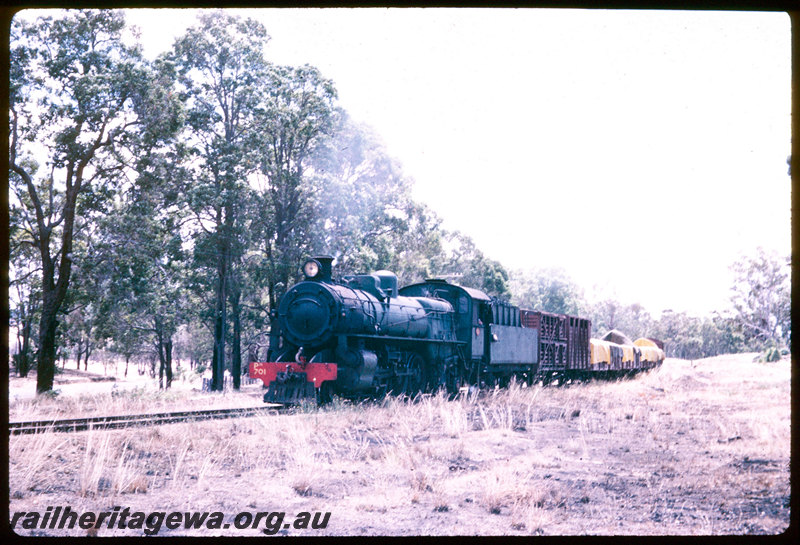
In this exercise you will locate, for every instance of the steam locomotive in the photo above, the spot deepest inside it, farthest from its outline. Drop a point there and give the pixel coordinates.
(363, 337)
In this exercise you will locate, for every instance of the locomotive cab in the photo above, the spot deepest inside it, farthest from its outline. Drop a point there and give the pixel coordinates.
(471, 320)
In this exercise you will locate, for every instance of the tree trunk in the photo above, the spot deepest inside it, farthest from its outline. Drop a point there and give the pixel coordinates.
(80, 353)
(221, 322)
(168, 360)
(23, 357)
(236, 349)
(164, 355)
(46, 369)
(218, 360)
(54, 292)
(46, 366)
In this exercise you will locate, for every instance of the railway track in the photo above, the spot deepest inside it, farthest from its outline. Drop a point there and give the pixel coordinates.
(130, 420)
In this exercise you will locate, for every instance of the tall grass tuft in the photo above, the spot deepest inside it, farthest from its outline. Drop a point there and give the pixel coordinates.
(127, 476)
(96, 453)
(37, 455)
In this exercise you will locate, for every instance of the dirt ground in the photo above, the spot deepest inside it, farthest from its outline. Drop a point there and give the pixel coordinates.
(692, 448)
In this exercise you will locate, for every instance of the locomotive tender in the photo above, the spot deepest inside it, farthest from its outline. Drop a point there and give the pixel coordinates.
(362, 337)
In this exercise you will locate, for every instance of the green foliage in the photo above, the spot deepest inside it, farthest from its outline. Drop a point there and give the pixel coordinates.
(469, 267)
(608, 314)
(549, 290)
(680, 334)
(770, 355)
(690, 337)
(295, 119)
(193, 344)
(417, 252)
(761, 298)
(222, 74)
(81, 102)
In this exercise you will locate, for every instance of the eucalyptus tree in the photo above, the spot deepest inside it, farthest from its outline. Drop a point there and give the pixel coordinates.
(295, 118)
(79, 103)
(761, 298)
(249, 305)
(222, 71)
(363, 211)
(548, 289)
(681, 334)
(720, 335)
(470, 267)
(142, 265)
(633, 320)
(420, 252)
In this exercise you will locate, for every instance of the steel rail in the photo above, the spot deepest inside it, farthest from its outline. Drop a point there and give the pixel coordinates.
(130, 420)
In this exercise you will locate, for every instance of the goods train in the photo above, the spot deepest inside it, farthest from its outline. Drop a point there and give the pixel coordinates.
(363, 337)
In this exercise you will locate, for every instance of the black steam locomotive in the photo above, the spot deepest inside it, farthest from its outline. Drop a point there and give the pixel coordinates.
(363, 337)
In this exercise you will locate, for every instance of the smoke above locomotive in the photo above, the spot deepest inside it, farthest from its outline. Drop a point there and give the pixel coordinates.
(361, 336)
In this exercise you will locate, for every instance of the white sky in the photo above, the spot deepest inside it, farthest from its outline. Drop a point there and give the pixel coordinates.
(643, 152)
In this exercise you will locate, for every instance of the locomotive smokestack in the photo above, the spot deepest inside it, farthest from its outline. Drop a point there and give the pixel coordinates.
(326, 267)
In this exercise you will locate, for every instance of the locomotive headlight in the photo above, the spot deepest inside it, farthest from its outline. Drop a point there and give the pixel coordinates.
(311, 268)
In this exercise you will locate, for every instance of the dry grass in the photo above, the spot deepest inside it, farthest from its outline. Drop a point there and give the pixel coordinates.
(691, 448)
(126, 401)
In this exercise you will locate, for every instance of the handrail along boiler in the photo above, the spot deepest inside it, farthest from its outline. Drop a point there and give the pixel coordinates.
(362, 336)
